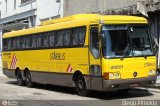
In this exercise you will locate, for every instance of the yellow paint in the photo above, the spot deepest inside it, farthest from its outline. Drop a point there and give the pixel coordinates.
(130, 65)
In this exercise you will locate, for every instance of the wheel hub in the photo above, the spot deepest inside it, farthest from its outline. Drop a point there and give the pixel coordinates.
(80, 84)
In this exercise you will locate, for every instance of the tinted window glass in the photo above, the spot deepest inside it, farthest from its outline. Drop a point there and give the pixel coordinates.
(22, 42)
(59, 39)
(52, 40)
(94, 44)
(39, 40)
(5, 44)
(14, 43)
(9, 44)
(67, 37)
(62, 38)
(78, 36)
(28, 41)
(33, 41)
(45, 40)
(18, 45)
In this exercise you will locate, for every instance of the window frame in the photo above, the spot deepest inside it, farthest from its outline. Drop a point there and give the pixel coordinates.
(48, 33)
(26, 1)
(90, 42)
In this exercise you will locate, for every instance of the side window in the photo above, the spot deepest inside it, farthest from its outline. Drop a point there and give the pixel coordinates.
(52, 41)
(94, 42)
(18, 46)
(28, 41)
(33, 41)
(9, 47)
(79, 36)
(59, 39)
(45, 40)
(14, 46)
(67, 37)
(5, 44)
(39, 40)
(22, 42)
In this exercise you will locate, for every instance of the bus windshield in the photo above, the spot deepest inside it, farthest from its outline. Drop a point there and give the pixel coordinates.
(126, 41)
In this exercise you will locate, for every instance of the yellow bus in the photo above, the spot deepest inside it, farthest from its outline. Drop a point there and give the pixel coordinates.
(85, 51)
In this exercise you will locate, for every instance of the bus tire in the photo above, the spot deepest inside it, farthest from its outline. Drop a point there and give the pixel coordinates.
(81, 86)
(20, 81)
(29, 82)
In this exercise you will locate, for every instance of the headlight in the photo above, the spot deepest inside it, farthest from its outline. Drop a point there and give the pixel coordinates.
(108, 76)
(117, 75)
(111, 75)
(152, 72)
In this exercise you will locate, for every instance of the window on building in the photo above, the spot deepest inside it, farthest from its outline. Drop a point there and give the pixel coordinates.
(6, 5)
(25, 1)
(0, 14)
(15, 4)
(58, 1)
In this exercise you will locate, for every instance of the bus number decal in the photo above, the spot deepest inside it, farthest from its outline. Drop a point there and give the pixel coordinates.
(57, 56)
(149, 64)
(117, 67)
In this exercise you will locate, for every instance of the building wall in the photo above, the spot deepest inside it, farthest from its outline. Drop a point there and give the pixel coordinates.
(44, 8)
(115, 4)
(13, 7)
(80, 6)
(95, 6)
(47, 9)
(14, 12)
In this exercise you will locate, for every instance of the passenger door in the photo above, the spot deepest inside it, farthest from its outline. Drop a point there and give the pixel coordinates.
(95, 62)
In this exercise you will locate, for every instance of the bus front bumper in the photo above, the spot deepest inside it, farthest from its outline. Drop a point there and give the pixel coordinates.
(111, 85)
(99, 84)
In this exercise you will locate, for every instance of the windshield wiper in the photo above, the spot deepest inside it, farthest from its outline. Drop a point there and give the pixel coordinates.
(141, 52)
(125, 51)
(145, 56)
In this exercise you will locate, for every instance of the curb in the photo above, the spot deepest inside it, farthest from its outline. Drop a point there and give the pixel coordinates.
(154, 90)
(156, 86)
(148, 89)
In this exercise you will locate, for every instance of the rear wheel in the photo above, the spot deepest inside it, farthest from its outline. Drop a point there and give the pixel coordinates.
(29, 82)
(20, 81)
(81, 86)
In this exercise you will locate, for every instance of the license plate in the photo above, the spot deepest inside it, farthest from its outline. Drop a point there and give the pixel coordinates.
(134, 85)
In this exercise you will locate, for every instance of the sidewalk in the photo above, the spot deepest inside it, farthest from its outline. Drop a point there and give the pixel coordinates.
(1, 73)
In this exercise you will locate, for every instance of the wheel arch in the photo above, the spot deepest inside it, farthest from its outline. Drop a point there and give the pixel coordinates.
(25, 70)
(16, 70)
(75, 75)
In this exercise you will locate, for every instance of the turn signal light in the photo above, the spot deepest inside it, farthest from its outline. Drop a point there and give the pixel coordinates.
(106, 76)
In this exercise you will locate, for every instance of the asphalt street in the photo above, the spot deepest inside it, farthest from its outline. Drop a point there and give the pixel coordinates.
(51, 95)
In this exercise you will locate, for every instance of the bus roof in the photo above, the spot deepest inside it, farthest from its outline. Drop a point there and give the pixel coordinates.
(75, 21)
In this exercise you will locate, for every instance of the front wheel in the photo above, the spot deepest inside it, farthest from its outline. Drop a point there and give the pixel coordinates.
(29, 82)
(81, 86)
